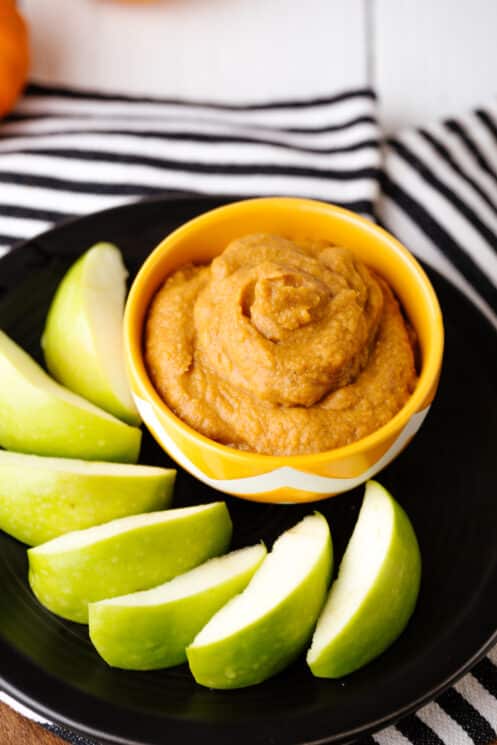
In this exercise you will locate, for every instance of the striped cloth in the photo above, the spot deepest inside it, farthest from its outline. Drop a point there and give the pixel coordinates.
(65, 153)
(439, 195)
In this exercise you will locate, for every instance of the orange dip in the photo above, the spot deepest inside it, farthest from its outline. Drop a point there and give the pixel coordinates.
(280, 347)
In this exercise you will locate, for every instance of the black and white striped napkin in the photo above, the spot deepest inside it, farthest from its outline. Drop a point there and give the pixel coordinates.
(65, 153)
(439, 195)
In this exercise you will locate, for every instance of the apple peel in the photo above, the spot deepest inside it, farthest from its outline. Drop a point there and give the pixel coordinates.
(262, 630)
(39, 416)
(376, 590)
(125, 555)
(151, 629)
(83, 336)
(42, 498)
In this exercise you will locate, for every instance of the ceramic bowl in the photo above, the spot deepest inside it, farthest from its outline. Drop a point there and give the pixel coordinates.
(297, 478)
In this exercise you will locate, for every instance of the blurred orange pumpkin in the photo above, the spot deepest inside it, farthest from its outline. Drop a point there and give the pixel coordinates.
(14, 54)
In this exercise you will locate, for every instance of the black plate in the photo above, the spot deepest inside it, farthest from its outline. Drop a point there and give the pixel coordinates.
(445, 479)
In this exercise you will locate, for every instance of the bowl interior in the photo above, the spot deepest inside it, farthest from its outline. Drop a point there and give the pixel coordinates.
(203, 238)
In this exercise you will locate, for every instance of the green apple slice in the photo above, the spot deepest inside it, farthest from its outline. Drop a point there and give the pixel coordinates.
(42, 498)
(151, 629)
(125, 555)
(375, 594)
(37, 415)
(259, 632)
(83, 337)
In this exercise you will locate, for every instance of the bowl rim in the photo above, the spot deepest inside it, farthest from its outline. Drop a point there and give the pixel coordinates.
(427, 379)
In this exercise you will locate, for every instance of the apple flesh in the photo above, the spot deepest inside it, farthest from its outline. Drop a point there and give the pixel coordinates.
(83, 337)
(267, 626)
(42, 498)
(39, 416)
(125, 555)
(376, 590)
(151, 629)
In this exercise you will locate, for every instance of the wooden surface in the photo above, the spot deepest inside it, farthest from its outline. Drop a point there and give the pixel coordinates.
(16, 730)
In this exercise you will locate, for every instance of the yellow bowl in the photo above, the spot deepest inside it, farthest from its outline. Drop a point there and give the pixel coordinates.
(296, 478)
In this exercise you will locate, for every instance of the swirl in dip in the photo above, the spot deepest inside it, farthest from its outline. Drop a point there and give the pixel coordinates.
(280, 347)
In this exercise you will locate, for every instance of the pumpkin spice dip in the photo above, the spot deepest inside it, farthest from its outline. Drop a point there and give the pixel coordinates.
(280, 347)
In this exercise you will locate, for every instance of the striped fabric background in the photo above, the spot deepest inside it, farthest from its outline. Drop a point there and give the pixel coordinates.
(66, 153)
(439, 195)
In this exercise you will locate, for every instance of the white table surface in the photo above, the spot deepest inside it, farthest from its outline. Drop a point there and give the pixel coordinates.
(426, 59)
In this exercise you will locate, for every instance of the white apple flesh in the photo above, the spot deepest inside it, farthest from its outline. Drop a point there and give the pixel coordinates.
(39, 416)
(151, 629)
(42, 498)
(83, 337)
(124, 556)
(376, 590)
(267, 626)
